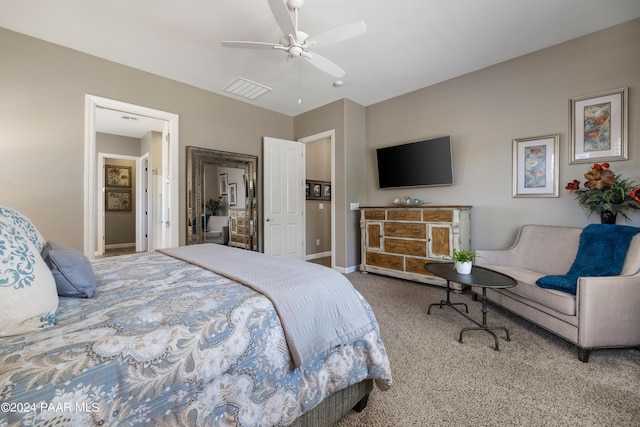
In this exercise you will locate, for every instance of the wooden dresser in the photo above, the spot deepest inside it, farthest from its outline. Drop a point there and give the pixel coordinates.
(398, 241)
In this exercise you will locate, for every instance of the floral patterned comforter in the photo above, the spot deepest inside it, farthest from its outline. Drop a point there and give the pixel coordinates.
(165, 342)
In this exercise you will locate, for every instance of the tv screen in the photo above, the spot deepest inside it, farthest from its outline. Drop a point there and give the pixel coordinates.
(416, 164)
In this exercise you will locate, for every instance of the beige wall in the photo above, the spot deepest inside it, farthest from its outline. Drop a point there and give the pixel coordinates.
(43, 89)
(42, 131)
(485, 110)
(347, 120)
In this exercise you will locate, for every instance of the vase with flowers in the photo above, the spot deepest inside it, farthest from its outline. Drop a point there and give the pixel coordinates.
(605, 193)
(215, 205)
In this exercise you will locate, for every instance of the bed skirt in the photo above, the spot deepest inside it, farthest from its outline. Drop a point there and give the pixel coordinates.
(336, 406)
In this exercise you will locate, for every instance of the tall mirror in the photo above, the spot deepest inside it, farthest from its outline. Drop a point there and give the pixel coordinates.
(222, 206)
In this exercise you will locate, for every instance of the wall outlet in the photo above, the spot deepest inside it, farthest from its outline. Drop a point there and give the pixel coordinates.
(317, 242)
(321, 206)
(354, 206)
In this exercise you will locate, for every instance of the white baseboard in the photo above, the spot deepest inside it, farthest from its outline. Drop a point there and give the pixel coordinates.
(346, 270)
(318, 255)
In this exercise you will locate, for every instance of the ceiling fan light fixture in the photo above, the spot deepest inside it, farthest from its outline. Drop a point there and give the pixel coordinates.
(246, 88)
(297, 43)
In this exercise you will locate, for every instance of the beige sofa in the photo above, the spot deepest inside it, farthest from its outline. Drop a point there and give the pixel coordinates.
(604, 313)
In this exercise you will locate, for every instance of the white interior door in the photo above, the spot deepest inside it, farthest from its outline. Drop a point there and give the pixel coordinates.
(165, 185)
(144, 193)
(284, 198)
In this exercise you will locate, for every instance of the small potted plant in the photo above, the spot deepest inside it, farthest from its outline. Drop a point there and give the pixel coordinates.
(462, 260)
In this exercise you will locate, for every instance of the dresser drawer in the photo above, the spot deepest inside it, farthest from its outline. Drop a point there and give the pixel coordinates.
(374, 214)
(400, 229)
(416, 265)
(406, 247)
(437, 216)
(404, 215)
(393, 262)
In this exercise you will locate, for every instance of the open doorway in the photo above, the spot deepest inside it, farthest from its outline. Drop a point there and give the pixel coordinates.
(320, 211)
(156, 174)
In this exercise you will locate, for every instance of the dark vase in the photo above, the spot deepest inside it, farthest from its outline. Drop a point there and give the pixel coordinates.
(608, 217)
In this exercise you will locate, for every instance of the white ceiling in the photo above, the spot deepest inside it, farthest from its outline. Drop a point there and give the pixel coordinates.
(409, 44)
(126, 124)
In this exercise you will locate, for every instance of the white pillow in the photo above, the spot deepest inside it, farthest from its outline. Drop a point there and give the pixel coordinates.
(24, 224)
(28, 294)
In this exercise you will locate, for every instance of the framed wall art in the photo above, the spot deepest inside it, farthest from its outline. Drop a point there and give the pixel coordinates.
(326, 191)
(535, 166)
(224, 184)
(117, 176)
(318, 190)
(233, 194)
(117, 200)
(599, 127)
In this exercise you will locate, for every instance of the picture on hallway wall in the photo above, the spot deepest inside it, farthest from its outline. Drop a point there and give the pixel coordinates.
(117, 200)
(117, 176)
(318, 190)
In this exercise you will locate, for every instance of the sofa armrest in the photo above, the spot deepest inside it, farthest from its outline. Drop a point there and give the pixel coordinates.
(608, 311)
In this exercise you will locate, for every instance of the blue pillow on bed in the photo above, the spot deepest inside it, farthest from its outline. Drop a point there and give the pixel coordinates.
(71, 270)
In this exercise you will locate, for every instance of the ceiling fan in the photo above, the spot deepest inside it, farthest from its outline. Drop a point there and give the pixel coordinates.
(297, 43)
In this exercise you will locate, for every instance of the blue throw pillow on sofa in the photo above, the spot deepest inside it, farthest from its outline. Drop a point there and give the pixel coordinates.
(71, 270)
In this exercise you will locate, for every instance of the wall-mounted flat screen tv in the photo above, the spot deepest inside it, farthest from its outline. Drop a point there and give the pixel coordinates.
(416, 164)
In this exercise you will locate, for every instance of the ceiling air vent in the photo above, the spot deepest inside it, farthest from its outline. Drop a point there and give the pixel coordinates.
(246, 88)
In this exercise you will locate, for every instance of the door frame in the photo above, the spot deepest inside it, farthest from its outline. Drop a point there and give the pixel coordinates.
(90, 164)
(331, 134)
(140, 194)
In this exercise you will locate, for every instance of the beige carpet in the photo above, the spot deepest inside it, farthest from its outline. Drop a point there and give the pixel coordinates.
(534, 380)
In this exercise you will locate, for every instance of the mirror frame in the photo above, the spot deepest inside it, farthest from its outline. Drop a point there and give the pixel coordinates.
(197, 157)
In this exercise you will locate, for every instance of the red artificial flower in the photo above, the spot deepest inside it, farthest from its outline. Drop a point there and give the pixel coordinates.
(575, 185)
(635, 194)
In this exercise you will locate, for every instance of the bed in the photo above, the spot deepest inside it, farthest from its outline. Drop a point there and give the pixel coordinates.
(171, 339)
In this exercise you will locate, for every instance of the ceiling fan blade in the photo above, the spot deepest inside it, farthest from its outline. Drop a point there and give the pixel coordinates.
(338, 34)
(324, 64)
(250, 45)
(283, 17)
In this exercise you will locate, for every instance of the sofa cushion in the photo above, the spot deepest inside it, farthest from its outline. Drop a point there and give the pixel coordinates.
(559, 301)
